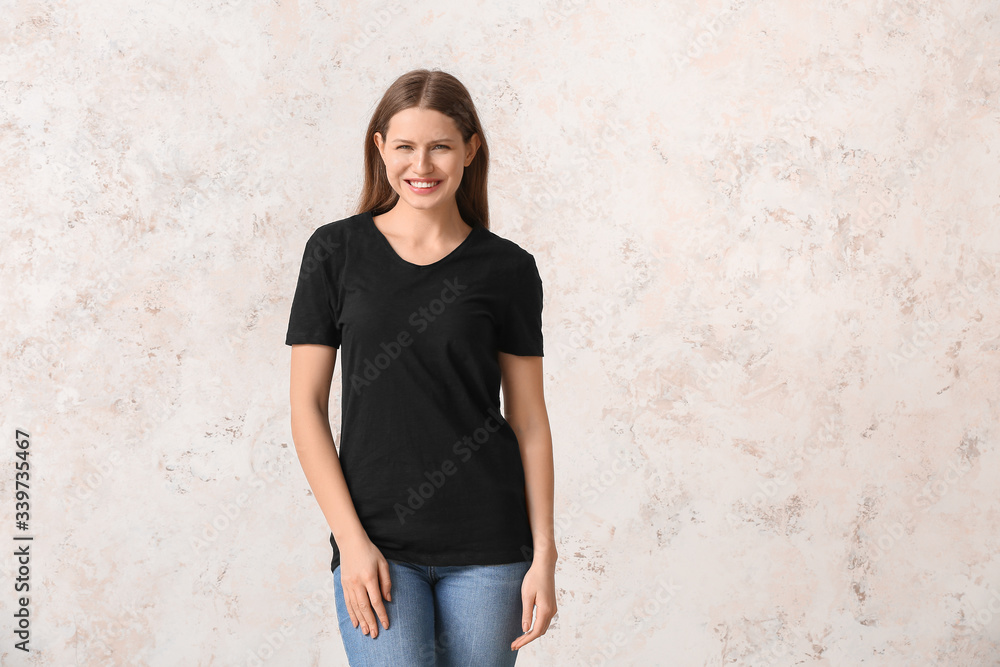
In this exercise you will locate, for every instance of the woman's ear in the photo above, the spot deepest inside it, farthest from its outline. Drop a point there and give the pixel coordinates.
(473, 148)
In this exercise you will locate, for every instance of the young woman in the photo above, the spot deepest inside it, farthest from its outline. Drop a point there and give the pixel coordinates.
(440, 507)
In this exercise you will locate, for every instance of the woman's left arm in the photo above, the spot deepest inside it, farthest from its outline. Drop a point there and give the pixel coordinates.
(524, 410)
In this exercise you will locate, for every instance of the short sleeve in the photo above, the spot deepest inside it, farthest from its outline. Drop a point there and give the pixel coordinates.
(521, 327)
(313, 316)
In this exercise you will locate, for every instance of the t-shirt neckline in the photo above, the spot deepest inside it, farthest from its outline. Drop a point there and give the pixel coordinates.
(388, 246)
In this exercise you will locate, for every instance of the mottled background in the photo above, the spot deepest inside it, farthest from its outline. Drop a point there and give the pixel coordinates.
(767, 234)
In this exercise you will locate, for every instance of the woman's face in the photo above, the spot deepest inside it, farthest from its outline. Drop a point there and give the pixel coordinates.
(424, 147)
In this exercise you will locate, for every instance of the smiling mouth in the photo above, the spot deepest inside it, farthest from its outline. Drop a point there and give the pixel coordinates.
(422, 185)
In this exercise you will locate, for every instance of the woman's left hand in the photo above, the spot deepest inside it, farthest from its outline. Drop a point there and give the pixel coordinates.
(538, 589)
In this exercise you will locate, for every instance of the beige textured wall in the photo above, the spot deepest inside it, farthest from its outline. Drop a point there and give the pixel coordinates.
(767, 232)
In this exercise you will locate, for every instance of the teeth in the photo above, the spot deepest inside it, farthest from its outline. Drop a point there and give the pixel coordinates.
(423, 184)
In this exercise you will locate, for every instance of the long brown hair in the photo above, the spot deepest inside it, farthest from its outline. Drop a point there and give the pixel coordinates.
(440, 91)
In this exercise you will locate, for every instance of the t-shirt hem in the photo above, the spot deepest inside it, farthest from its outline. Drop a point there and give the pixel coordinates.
(453, 558)
(524, 352)
(300, 340)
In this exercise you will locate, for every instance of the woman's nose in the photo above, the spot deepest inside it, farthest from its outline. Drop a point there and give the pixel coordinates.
(421, 160)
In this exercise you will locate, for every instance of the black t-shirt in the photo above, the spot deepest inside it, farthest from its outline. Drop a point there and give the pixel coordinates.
(433, 468)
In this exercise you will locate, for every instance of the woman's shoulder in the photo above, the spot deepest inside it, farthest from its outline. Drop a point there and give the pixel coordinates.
(336, 235)
(340, 227)
(507, 251)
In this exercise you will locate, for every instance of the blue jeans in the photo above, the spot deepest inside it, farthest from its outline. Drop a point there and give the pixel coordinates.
(441, 616)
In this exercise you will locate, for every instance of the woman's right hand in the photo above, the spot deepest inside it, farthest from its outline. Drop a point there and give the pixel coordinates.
(364, 576)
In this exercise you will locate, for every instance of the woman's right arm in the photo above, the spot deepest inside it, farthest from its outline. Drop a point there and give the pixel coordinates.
(364, 571)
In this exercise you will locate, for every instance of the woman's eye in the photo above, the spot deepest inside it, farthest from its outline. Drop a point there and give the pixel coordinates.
(401, 146)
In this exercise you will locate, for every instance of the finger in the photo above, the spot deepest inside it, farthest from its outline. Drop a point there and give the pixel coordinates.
(543, 618)
(383, 574)
(364, 604)
(380, 608)
(374, 599)
(535, 633)
(527, 605)
(349, 603)
(358, 611)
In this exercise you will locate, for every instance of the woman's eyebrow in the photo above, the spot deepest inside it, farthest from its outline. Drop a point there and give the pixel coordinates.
(408, 141)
